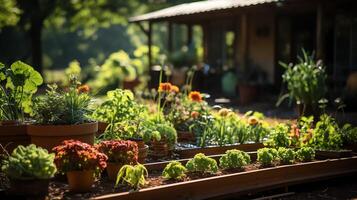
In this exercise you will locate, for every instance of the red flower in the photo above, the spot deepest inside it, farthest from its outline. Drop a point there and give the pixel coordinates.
(195, 114)
(195, 96)
(120, 151)
(165, 87)
(83, 89)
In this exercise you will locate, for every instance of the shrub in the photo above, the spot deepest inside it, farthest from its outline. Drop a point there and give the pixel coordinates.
(327, 134)
(202, 164)
(286, 155)
(174, 170)
(30, 162)
(266, 156)
(73, 155)
(305, 154)
(279, 136)
(120, 151)
(134, 176)
(234, 159)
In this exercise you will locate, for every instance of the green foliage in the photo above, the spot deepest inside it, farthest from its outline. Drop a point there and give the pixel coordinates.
(159, 130)
(327, 134)
(55, 107)
(9, 14)
(17, 85)
(30, 162)
(174, 170)
(202, 164)
(306, 81)
(305, 154)
(266, 156)
(279, 136)
(234, 159)
(286, 155)
(134, 176)
(73, 69)
(349, 134)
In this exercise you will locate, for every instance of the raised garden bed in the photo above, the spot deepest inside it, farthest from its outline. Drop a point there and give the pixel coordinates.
(325, 154)
(190, 152)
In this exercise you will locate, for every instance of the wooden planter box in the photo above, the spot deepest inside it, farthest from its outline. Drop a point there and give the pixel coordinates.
(190, 153)
(320, 154)
(244, 181)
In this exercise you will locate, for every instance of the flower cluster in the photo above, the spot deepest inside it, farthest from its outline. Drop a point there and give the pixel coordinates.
(252, 120)
(120, 151)
(73, 155)
(83, 89)
(195, 96)
(168, 87)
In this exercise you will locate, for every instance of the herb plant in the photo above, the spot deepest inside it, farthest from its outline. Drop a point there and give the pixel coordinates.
(305, 154)
(349, 134)
(266, 156)
(17, 85)
(202, 164)
(158, 130)
(286, 155)
(134, 176)
(174, 170)
(30, 162)
(279, 136)
(234, 159)
(327, 134)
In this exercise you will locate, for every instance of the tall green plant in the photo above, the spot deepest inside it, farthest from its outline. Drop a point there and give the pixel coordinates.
(306, 82)
(17, 85)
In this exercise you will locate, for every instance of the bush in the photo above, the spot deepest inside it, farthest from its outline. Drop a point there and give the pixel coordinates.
(279, 136)
(327, 134)
(134, 176)
(266, 156)
(174, 170)
(305, 154)
(202, 164)
(234, 159)
(286, 156)
(30, 162)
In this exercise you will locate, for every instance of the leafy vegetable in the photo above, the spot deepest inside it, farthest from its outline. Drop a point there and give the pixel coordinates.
(286, 155)
(234, 159)
(202, 164)
(305, 154)
(134, 176)
(174, 170)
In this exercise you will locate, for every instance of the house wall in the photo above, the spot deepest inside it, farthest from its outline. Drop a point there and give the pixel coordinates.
(261, 45)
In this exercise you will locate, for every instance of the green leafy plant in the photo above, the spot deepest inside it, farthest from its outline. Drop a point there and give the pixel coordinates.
(60, 107)
(279, 136)
(158, 130)
(306, 82)
(286, 155)
(134, 176)
(349, 134)
(17, 85)
(266, 156)
(234, 159)
(202, 164)
(30, 162)
(327, 134)
(174, 170)
(305, 154)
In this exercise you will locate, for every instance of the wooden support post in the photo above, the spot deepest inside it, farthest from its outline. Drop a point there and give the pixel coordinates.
(189, 34)
(319, 32)
(243, 50)
(149, 34)
(169, 39)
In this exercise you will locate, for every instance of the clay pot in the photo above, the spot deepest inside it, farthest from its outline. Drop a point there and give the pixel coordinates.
(80, 181)
(112, 170)
(26, 188)
(102, 126)
(160, 148)
(143, 150)
(13, 134)
(185, 136)
(49, 136)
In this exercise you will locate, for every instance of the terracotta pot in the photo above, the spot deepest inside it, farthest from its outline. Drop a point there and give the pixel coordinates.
(32, 187)
(185, 136)
(80, 181)
(13, 134)
(112, 170)
(143, 150)
(49, 136)
(159, 149)
(102, 126)
(247, 93)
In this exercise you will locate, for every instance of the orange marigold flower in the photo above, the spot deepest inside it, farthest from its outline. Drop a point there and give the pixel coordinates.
(83, 89)
(195, 114)
(195, 96)
(165, 87)
(252, 120)
(224, 112)
(175, 89)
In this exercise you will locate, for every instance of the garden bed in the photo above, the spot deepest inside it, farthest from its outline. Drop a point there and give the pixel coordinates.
(197, 187)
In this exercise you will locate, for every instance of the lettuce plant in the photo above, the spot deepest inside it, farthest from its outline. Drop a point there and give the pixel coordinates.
(266, 156)
(174, 170)
(134, 176)
(279, 136)
(286, 155)
(30, 162)
(305, 154)
(327, 134)
(202, 164)
(234, 159)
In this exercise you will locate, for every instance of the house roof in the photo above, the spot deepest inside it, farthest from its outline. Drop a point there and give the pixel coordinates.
(197, 7)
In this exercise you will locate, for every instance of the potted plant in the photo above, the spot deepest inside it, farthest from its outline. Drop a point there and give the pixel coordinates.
(306, 84)
(63, 115)
(119, 152)
(29, 170)
(81, 162)
(17, 85)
